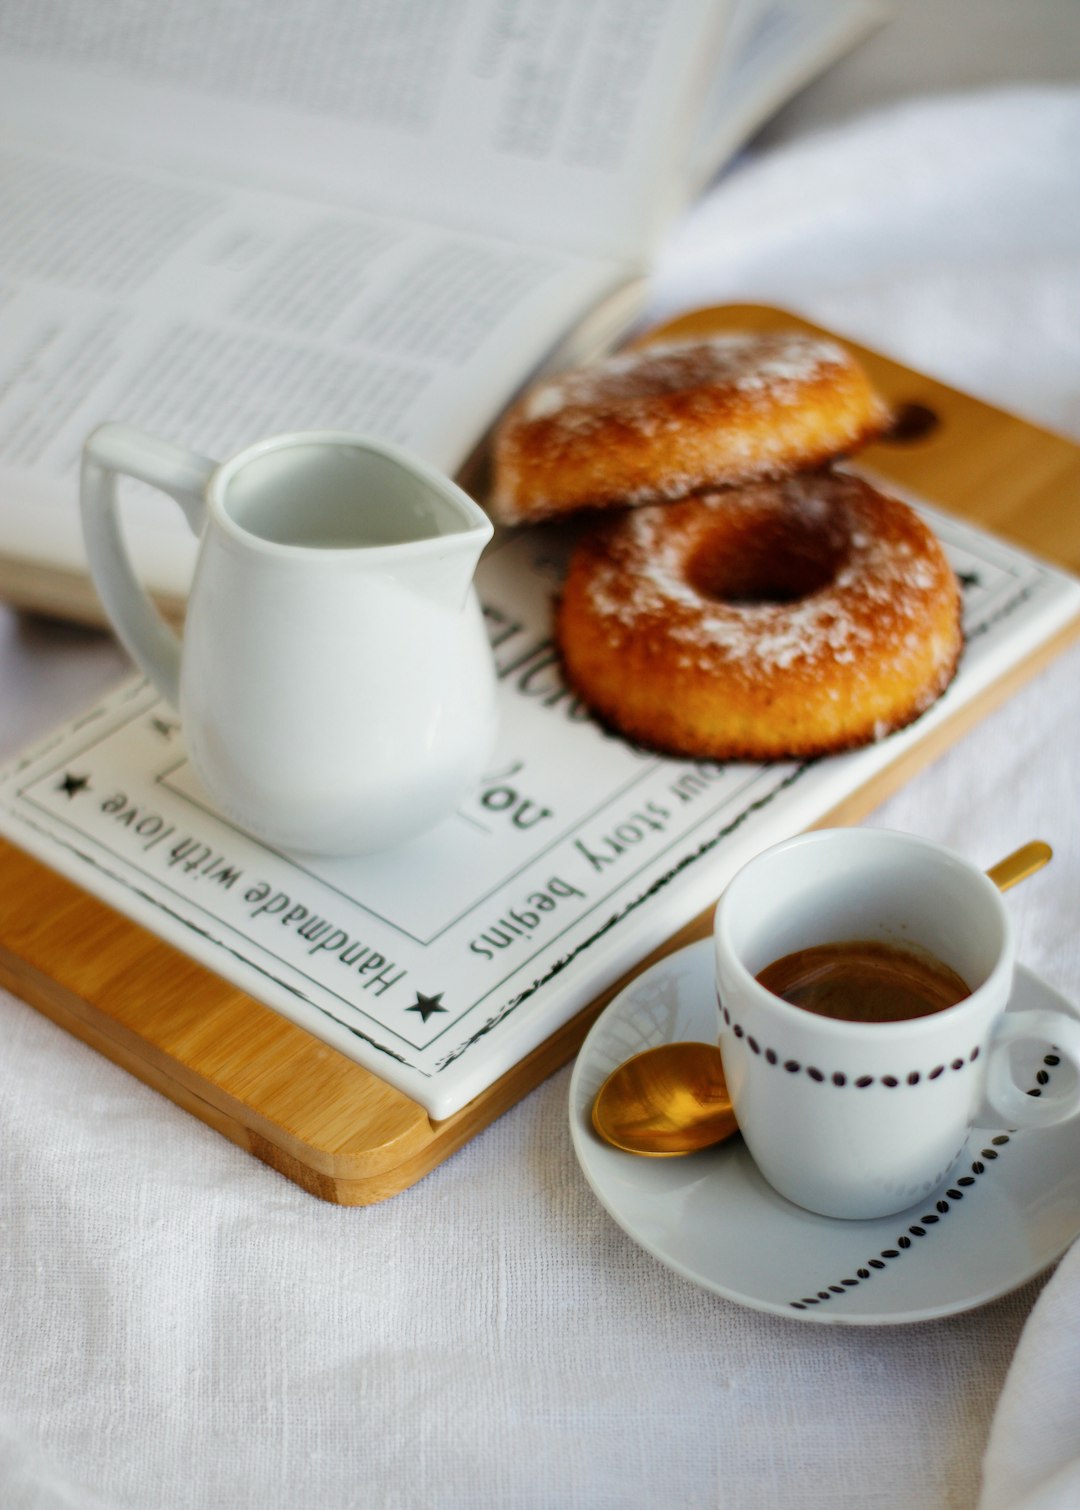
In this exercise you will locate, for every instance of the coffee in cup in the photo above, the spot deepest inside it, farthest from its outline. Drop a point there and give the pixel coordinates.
(864, 980)
(845, 1113)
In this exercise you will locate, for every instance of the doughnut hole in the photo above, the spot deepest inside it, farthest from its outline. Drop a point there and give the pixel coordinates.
(760, 563)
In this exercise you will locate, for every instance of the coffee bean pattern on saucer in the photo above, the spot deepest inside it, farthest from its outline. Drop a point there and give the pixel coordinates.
(930, 1219)
(838, 1077)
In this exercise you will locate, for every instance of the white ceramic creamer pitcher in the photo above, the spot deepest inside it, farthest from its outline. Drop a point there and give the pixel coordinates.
(335, 684)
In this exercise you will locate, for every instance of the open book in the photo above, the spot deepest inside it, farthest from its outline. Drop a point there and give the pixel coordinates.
(375, 215)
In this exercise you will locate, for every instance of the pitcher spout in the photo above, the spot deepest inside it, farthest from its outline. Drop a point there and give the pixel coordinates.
(443, 533)
(442, 569)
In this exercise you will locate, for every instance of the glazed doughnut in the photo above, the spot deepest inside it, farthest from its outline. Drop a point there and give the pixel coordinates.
(662, 421)
(783, 619)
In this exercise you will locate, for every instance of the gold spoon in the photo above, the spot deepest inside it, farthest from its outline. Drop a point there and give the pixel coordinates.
(673, 1099)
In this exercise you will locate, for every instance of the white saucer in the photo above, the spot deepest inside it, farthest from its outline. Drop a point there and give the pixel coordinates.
(1009, 1208)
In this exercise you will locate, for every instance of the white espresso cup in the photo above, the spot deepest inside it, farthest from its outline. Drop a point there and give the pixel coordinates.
(335, 684)
(862, 1119)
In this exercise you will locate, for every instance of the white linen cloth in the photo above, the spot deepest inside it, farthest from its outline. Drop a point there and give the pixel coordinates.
(182, 1328)
(1033, 1459)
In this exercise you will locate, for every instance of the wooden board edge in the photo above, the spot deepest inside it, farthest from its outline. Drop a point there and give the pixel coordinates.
(153, 970)
(350, 1180)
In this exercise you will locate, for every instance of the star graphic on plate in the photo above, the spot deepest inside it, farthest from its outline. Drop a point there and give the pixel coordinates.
(427, 1005)
(72, 784)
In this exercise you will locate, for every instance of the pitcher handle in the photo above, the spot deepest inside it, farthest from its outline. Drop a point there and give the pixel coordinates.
(114, 450)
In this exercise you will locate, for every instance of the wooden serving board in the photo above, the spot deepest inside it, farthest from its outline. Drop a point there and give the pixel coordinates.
(314, 1115)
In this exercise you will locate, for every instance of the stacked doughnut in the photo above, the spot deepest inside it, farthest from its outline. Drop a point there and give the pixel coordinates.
(734, 596)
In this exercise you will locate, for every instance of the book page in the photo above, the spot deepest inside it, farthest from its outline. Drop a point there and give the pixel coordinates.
(441, 964)
(214, 316)
(554, 122)
(772, 49)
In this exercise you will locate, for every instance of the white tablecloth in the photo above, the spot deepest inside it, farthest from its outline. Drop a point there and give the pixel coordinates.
(181, 1327)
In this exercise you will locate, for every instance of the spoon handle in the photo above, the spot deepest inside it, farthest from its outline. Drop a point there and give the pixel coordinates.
(1022, 863)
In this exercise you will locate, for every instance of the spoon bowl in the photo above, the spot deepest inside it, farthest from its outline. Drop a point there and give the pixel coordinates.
(666, 1101)
(673, 1099)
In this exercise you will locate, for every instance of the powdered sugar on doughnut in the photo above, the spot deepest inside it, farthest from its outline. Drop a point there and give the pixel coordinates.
(879, 575)
(678, 417)
(747, 364)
